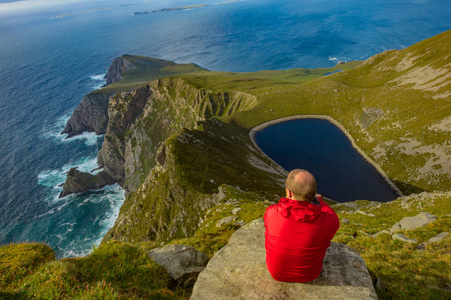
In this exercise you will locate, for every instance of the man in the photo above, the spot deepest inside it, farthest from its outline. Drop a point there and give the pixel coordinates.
(298, 231)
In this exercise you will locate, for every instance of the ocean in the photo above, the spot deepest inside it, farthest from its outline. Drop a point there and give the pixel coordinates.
(51, 56)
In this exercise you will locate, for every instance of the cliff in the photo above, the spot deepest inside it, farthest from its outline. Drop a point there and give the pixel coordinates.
(126, 73)
(119, 66)
(158, 157)
(91, 115)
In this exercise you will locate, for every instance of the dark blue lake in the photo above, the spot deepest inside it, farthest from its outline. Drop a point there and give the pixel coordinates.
(324, 150)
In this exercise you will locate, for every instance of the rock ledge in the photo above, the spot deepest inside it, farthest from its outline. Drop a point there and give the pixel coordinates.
(238, 271)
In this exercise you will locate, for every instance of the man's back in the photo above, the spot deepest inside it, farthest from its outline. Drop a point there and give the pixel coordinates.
(297, 236)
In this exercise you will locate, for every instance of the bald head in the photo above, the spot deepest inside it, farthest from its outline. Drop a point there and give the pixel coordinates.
(302, 185)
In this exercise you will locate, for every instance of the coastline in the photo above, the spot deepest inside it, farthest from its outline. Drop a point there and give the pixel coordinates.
(257, 128)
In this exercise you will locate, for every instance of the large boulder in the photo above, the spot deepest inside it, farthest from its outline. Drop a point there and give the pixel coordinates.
(183, 263)
(79, 182)
(238, 271)
(419, 220)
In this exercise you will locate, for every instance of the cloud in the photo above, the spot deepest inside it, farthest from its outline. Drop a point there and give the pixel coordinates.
(9, 6)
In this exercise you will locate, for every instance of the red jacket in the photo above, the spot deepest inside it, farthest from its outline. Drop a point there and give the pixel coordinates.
(297, 236)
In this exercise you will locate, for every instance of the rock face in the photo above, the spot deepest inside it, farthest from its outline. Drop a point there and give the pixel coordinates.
(119, 66)
(419, 220)
(123, 110)
(141, 120)
(91, 115)
(78, 182)
(183, 263)
(238, 271)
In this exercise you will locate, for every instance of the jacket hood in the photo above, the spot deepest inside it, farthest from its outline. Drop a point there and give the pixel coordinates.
(298, 210)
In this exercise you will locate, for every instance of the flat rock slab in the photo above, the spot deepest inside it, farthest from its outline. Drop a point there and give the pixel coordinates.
(439, 237)
(183, 263)
(238, 271)
(417, 221)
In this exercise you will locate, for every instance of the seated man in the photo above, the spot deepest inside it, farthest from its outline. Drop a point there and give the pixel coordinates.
(298, 231)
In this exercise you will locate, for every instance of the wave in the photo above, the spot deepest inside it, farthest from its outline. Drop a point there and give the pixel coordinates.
(81, 220)
(99, 81)
(338, 59)
(53, 132)
(111, 201)
(56, 177)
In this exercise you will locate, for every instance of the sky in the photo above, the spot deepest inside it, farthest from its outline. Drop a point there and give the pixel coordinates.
(11, 6)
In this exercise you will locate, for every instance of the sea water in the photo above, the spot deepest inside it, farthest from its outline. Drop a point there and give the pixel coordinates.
(51, 56)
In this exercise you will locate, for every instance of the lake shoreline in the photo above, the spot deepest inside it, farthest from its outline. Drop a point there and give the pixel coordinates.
(257, 128)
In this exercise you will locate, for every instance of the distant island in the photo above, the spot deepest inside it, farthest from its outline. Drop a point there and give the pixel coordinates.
(188, 7)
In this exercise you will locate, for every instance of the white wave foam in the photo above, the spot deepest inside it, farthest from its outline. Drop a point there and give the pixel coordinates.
(99, 81)
(53, 132)
(89, 138)
(54, 178)
(114, 195)
(98, 77)
(338, 59)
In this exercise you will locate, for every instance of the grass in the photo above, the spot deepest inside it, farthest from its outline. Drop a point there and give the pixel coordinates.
(407, 270)
(114, 270)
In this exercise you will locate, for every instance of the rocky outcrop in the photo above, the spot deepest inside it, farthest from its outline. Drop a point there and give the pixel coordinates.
(78, 182)
(119, 66)
(91, 115)
(417, 221)
(124, 109)
(165, 107)
(183, 263)
(238, 271)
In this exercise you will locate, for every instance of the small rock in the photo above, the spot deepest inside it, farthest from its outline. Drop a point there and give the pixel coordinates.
(224, 221)
(421, 247)
(345, 221)
(236, 210)
(361, 231)
(361, 212)
(240, 223)
(380, 284)
(438, 237)
(403, 238)
(380, 232)
(183, 263)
